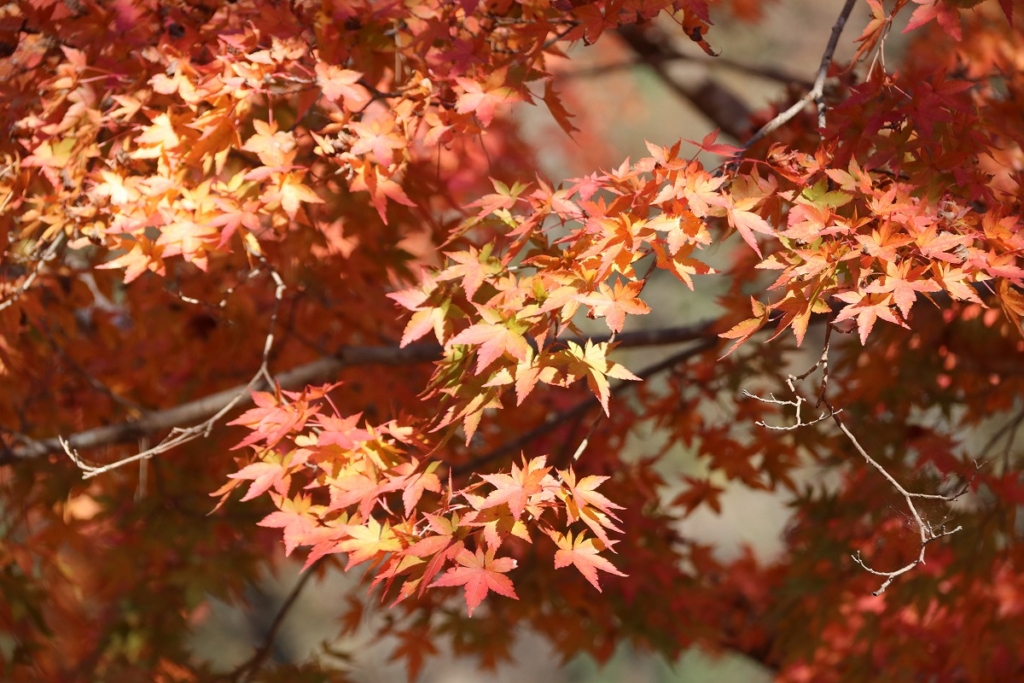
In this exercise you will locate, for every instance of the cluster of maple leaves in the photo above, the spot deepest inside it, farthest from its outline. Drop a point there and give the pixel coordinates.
(362, 469)
(344, 148)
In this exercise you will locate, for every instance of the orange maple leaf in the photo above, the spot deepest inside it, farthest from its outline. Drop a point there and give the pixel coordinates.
(614, 303)
(494, 340)
(480, 573)
(366, 541)
(582, 553)
(867, 308)
(519, 488)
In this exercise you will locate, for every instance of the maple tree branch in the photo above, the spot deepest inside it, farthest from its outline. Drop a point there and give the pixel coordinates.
(926, 531)
(581, 408)
(816, 93)
(247, 670)
(710, 98)
(179, 436)
(215, 406)
(766, 72)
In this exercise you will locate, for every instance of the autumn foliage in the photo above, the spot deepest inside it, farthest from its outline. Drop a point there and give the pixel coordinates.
(300, 256)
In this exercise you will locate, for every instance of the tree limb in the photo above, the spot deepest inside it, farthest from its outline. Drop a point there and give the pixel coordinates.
(713, 100)
(321, 369)
(581, 408)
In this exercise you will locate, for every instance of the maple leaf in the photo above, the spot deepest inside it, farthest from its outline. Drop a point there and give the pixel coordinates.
(381, 185)
(348, 489)
(584, 504)
(495, 522)
(528, 374)
(274, 148)
(291, 193)
(480, 573)
(414, 645)
(341, 432)
(342, 84)
(956, 282)
(943, 12)
(681, 265)
(494, 340)
(476, 100)
(440, 547)
(472, 266)
(264, 475)
(143, 254)
(747, 223)
(299, 526)
(583, 493)
(743, 331)
(380, 137)
(1012, 303)
(582, 553)
(708, 144)
(272, 420)
(415, 484)
(160, 136)
(614, 303)
(557, 109)
(503, 199)
(590, 360)
(904, 281)
(519, 488)
(367, 541)
(867, 308)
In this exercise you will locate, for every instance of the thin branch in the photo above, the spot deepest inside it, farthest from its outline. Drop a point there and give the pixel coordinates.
(179, 436)
(247, 670)
(926, 531)
(580, 409)
(215, 406)
(48, 255)
(816, 94)
(798, 401)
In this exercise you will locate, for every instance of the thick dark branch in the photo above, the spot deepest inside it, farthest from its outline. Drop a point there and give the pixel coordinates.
(712, 99)
(769, 73)
(322, 369)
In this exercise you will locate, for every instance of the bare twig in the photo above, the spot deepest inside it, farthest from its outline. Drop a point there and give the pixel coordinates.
(179, 436)
(798, 401)
(817, 92)
(926, 531)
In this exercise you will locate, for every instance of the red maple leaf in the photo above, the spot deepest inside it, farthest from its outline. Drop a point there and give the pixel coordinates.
(263, 476)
